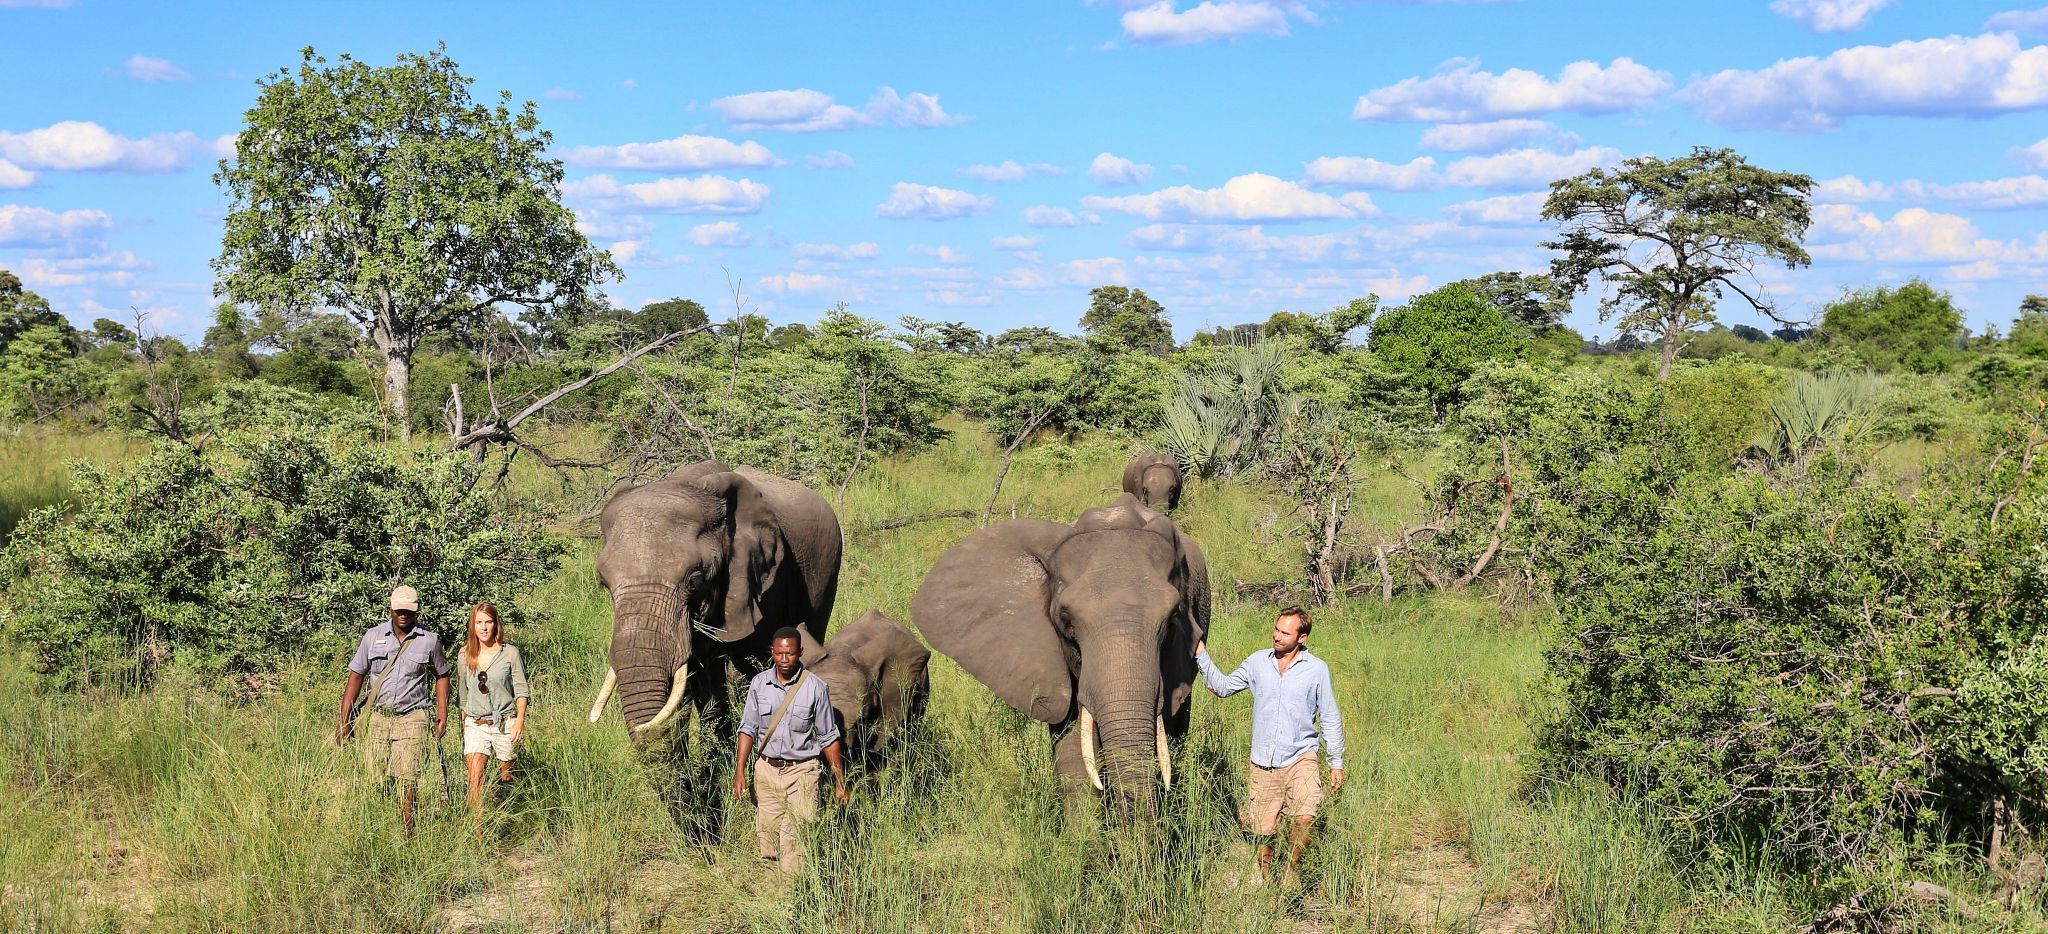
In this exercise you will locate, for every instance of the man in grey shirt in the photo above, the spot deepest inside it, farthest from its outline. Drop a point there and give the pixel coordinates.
(788, 714)
(1290, 690)
(401, 660)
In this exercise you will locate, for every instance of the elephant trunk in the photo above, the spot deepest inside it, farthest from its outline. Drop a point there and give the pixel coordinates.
(1124, 710)
(650, 647)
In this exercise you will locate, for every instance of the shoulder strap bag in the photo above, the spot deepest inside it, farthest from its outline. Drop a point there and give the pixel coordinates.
(787, 699)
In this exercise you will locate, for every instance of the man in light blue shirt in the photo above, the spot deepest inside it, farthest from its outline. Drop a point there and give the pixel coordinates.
(1290, 689)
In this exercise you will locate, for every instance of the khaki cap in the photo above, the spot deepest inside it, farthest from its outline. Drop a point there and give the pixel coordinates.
(405, 598)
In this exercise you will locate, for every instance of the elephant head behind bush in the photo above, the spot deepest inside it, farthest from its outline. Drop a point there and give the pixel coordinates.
(705, 564)
(1154, 479)
(1090, 626)
(875, 671)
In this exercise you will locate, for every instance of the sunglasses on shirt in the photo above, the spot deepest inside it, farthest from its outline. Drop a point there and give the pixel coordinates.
(483, 682)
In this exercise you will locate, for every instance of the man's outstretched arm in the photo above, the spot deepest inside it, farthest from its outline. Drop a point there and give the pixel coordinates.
(1219, 684)
(1333, 729)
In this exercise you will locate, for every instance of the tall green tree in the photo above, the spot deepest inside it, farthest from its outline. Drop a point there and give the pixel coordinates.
(1127, 319)
(1911, 326)
(21, 310)
(387, 194)
(1533, 301)
(1668, 238)
(1439, 338)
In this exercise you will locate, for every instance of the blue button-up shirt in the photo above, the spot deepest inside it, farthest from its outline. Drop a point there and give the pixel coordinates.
(410, 685)
(1284, 706)
(805, 730)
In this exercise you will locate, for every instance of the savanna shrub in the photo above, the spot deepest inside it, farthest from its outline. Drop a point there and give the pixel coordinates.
(229, 559)
(1810, 664)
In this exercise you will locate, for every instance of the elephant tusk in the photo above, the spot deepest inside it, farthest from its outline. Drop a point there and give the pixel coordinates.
(611, 680)
(675, 699)
(1165, 757)
(1088, 748)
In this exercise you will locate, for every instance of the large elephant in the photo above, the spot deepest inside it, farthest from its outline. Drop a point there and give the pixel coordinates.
(1089, 627)
(1154, 479)
(875, 671)
(703, 566)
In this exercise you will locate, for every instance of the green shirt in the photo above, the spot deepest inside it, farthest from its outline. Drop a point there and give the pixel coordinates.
(505, 673)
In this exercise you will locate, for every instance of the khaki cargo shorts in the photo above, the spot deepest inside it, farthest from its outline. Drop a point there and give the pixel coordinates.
(1296, 789)
(392, 743)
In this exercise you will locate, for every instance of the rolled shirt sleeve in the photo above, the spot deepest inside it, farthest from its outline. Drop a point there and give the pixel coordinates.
(1220, 684)
(519, 688)
(752, 721)
(439, 658)
(825, 725)
(360, 662)
(1332, 721)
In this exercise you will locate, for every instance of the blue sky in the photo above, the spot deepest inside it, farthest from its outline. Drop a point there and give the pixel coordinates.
(991, 162)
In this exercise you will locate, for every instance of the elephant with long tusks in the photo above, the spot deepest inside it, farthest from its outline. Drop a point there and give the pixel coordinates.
(1089, 627)
(703, 566)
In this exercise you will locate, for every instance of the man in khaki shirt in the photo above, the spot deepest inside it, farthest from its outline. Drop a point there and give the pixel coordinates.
(786, 777)
(400, 660)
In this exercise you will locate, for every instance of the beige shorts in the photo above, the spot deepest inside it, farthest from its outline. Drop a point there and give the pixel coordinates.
(486, 739)
(1296, 789)
(392, 743)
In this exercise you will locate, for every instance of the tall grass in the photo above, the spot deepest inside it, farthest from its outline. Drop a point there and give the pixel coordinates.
(35, 468)
(176, 811)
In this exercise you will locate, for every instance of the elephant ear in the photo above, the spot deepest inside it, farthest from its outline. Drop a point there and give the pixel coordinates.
(1189, 626)
(753, 565)
(986, 605)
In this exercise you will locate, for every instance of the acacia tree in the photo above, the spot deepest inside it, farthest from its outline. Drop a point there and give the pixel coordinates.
(1667, 237)
(387, 194)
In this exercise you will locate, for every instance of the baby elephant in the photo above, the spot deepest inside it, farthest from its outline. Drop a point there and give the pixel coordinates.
(1154, 479)
(875, 670)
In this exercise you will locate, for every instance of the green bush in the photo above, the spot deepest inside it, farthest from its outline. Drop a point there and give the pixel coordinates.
(228, 560)
(1808, 666)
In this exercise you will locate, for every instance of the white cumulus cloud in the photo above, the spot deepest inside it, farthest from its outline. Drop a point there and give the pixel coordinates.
(1205, 22)
(1010, 171)
(116, 268)
(1526, 168)
(942, 253)
(1417, 174)
(1047, 216)
(1461, 93)
(24, 226)
(1997, 194)
(2032, 156)
(1244, 199)
(1848, 189)
(1014, 244)
(1913, 235)
(1951, 76)
(1112, 170)
(803, 282)
(1491, 136)
(14, 176)
(1828, 15)
(930, 202)
(152, 69)
(803, 110)
(685, 153)
(838, 252)
(719, 233)
(82, 146)
(830, 159)
(1504, 211)
(704, 194)
(2025, 22)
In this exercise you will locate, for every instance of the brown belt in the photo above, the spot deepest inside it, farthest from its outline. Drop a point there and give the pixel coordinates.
(786, 763)
(486, 721)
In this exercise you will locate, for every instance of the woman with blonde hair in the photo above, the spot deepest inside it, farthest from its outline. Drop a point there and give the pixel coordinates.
(494, 694)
